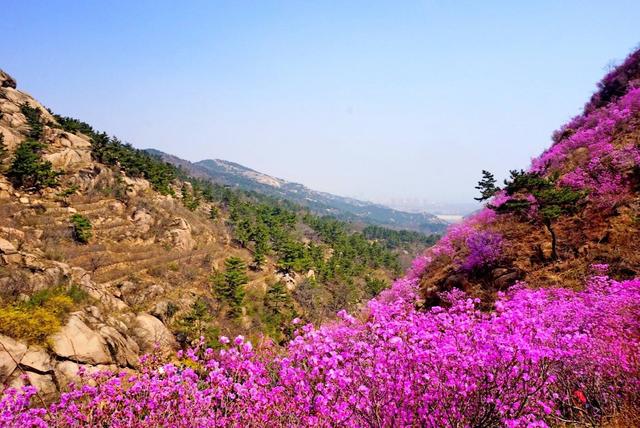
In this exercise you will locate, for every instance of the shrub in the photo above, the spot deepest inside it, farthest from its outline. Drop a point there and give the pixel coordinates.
(72, 125)
(28, 170)
(41, 315)
(30, 325)
(545, 357)
(81, 228)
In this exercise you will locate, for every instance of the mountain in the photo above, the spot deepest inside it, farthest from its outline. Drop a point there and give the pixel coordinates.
(322, 203)
(108, 253)
(526, 314)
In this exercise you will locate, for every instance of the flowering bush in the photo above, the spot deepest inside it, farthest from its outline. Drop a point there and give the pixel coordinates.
(607, 167)
(484, 249)
(469, 245)
(542, 356)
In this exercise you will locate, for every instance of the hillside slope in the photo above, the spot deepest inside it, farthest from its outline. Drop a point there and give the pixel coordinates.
(577, 205)
(106, 251)
(322, 203)
(445, 346)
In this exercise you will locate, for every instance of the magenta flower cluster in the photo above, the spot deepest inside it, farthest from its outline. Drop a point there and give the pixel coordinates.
(471, 245)
(587, 147)
(523, 365)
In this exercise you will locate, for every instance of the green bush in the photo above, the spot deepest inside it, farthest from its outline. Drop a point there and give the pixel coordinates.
(28, 170)
(81, 228)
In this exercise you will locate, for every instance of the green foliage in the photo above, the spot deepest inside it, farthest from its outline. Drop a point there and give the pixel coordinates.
(196, 323)
(552, 201)
(398, 239)
(190, 197)
(74, 126)
(486, 186)
(135, 163)
(34, 120)
(261, 238)
(278, 311)
(214, 213)
(28, 170)
(230, 284)
(81, 228)
(375, 285)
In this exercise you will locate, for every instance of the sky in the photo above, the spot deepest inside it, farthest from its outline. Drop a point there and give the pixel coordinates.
(390, 101)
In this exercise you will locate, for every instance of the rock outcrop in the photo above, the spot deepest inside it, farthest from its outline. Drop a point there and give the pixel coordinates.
(7, 81)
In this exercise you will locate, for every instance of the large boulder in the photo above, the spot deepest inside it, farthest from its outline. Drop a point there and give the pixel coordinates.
(77, 342)
(151, 334)
(180, 235)
(143, 220)
(43, 382)
(11, 352)
(7, 247)
(123, 349)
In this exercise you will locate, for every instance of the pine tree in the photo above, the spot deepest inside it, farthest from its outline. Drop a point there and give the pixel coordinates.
(552, 201)
(277, 299)
(230, 284)
(260, 236)
(28, 169)
(487, 186)
(214, 212)
(33, 116)
(279, 311)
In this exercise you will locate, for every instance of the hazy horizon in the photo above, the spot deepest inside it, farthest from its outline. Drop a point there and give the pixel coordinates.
(374, 100)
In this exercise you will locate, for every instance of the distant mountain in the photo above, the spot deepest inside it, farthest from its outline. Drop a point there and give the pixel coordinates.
(344, 208)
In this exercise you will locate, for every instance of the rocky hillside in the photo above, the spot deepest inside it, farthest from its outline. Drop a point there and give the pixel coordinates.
(107, 253)
(322, 203)
(524, 315)
(576, 206)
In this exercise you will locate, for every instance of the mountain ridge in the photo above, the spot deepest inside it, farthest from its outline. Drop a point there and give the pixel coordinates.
(322, 203)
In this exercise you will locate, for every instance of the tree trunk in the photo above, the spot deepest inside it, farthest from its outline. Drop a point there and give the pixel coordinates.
(554, 241)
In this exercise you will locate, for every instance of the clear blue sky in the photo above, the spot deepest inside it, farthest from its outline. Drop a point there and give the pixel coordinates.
(380, 100)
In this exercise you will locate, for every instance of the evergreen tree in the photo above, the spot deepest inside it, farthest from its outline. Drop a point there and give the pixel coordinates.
(190, 197)
(33, 116)
(487, 186)
(28, 169)
(230, 284)
(261, 238)
(279, 311)
(552, 201)
(214, 212)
